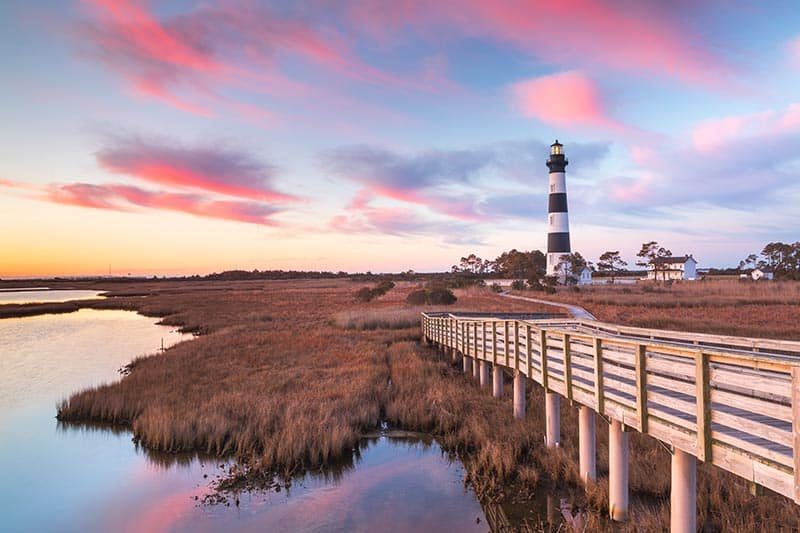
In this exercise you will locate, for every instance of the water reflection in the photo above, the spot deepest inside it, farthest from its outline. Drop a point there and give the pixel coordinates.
(390, 483)
(92, 477)
(27, 296)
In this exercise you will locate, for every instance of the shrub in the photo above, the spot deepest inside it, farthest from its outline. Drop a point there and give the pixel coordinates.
(518, 285)
(364, 294)
(496, 287)
(383, 287)
(417, 297)
(441, 296)
(434, 296)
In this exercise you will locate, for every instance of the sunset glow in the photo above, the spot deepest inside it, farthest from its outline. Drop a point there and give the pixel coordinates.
(187, 137)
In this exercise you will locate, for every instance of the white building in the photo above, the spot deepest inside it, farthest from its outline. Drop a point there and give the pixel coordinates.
(758, 274)
(672, 268)
(586, 276)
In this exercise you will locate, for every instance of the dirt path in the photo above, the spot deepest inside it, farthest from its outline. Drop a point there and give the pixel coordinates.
(577, 311)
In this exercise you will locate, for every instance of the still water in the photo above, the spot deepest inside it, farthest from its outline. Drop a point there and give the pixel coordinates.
(57, 477)
(28, 296)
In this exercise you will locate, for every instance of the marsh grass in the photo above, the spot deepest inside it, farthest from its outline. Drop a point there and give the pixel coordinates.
(298, 391)
(378, 319)
(725, 307)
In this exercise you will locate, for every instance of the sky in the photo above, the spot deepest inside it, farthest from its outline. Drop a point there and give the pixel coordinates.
(182, 137)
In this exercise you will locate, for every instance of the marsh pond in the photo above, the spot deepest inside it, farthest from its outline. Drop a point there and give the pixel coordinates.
(66, 477)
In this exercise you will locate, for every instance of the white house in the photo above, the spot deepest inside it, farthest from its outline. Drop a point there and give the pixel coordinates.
(503, 282)
(672, 268)
(586, 276)
(758, 274)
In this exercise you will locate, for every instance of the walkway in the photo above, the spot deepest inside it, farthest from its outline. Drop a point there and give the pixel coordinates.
(576, 310)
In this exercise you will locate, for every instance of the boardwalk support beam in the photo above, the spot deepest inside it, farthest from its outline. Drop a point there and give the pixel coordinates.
(618, 471)
(587, 443)
(683, 493)
(484, 372)
(519, 395)
(497, 381)
(553, 419)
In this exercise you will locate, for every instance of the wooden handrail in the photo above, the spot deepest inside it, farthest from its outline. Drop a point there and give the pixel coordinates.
(734, 404)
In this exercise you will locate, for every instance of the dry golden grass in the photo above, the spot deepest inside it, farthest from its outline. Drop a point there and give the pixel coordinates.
(384, 319)
(726, 307)
(277, 383)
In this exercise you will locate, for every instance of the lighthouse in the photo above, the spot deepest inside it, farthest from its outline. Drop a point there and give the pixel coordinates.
(557, 219)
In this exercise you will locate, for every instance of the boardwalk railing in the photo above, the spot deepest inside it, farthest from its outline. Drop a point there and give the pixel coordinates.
(731, 401)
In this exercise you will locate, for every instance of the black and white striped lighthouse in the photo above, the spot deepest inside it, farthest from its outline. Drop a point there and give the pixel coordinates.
(557, 219)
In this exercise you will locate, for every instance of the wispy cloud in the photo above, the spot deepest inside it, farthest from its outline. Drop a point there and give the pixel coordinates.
(209, 168)
(737, 161)
(444, 190)
(632, 37)
(187, 60)
(120, 197)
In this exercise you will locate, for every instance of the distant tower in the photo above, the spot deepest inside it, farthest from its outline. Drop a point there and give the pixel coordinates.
(557, 219)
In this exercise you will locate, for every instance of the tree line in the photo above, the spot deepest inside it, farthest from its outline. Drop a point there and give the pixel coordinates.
(780, 258)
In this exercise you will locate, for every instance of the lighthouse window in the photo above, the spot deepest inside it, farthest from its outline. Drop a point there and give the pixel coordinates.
(552, 187)
(551, 219)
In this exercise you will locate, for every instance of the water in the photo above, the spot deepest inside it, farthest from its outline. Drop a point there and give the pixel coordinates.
(27, 296)
(59, 477)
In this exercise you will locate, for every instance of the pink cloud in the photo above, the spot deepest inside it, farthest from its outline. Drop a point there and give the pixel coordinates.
(631, 191)
(185, 60)
(714, 134)
(119, 197)
(625, 36)
(11, 184)
(211, 169)
(566, 99)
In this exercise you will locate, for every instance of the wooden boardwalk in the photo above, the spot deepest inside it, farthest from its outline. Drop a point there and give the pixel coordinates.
(731, 401)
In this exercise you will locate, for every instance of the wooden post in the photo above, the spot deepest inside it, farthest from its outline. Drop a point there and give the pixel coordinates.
(598, 375)
(552, 419)
(519, 395)
(587, 443)
(494, 343)
(641, 386)
(703, 387)
(497, 381)
(483, 340)
(683, 493)
(529, 348)
(567, 366)
(543, 356)
(796, 429)
(475, 340)
(516, 345)
(617, 471)
(505, 341)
